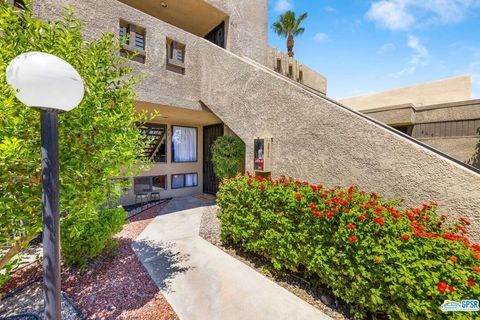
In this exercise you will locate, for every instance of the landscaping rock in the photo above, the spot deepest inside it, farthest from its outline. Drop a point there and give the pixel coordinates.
(326, 299)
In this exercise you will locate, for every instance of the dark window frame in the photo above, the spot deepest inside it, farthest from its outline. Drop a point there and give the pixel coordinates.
(166, 182)
(130, 46)
(142, 191)
(172, 149)
(150, 178)
(184, 179)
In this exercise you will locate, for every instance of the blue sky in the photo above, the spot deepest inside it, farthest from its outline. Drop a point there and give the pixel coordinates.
(366, 46)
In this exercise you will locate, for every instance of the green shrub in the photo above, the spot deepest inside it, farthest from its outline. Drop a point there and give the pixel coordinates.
(378, 258)
(97, 139)
(228, 154)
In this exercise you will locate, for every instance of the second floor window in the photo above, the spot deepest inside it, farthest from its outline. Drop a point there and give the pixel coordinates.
(133, 40)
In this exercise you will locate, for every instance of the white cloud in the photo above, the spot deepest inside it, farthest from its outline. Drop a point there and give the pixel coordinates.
(283, 5)
(387, 48)
(320, 36)
(405, 14)
(419, 57)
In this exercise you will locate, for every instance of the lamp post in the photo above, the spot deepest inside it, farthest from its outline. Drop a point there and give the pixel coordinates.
(46, 82)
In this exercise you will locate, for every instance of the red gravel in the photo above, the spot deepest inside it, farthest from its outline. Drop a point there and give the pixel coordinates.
(115, 287)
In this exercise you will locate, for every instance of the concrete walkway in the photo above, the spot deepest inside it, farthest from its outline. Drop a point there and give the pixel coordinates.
(200, 281)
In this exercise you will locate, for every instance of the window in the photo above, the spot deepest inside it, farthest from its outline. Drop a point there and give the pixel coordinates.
(149, 184)
(156, 150)
(142, 184)
(300, 76)
(279, 65)
(159, 183)
(133, 41)
(290, 71)
(184, 144)
(175, 56)
(186, 180)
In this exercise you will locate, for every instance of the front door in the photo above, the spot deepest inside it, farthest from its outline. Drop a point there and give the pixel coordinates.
(210, 134)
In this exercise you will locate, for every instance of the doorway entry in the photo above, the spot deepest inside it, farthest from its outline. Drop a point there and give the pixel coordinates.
(210, 134)
(217, 35)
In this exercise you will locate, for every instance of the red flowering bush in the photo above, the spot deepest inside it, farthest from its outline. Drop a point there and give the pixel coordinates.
(375, 256)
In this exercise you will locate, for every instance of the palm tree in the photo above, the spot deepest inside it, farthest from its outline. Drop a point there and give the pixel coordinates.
(288, 27)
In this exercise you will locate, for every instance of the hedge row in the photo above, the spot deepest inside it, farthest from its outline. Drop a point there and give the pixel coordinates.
(379, 258)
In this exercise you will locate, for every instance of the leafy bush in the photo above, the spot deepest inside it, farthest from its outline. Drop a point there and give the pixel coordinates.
(380, 259)
(97, 139)
(228, 154)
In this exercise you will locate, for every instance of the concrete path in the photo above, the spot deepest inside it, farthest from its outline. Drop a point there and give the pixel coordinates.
(200, 281)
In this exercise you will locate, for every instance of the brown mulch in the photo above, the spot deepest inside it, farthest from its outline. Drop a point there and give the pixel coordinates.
(115, 286)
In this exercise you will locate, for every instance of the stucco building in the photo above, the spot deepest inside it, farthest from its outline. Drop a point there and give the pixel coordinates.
(441, 114)
(210, 72)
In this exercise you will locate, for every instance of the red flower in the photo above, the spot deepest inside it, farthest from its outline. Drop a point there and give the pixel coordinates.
(347, 210)
(352, 239)
(323, 195)
(298, 196)
(406, 237)
(249, 182)
(453, 259)
(351, 226)
(442, 286)
(262, 187)
(316, 214)
(471, 283)
(465, 221)
(351, 189)
(362, 217)
(379, 221)
(476, 269)
(449, 236)
(476, 247)
(410, 216)
(330, 214)
(451, 289)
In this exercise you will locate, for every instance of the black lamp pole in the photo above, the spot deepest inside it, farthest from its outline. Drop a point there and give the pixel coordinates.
(51, 215)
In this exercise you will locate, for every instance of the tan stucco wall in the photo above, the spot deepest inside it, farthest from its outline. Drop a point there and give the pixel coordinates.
(436, 92)
(247, 27)
(313, 138)
(462, 110)
(466, 149)
(311, 78)
(399, 115)
(247, 31)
